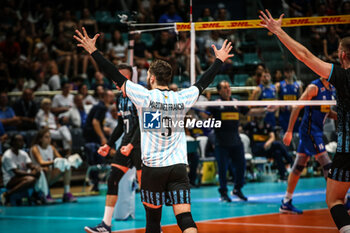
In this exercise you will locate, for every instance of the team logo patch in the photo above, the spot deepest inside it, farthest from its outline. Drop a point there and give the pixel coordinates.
(152, 120)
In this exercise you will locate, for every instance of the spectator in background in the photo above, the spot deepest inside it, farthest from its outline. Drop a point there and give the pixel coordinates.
(19, 173)
(87, 98)
(141, 53)
(100, 80)
(67, 26)
(7, 116)
(99, 92)
(63, 102)
(277, 76)
(93, 130)
(117, 48)
(46, 24)
(263, 143)
(111, 120)
(10, 48)
(76, 115)
(170, 16)
(173, 87)
(163, 48)
(217, 41)
(26, 109)
(3, 136)
(43, 154)
(266, 91)
(255, 79)
(45, 119)
(343, 30)
(330, 44)
(90, 24)
(39, 83)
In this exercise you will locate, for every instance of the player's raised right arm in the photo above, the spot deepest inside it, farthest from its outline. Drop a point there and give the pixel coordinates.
(320, 67)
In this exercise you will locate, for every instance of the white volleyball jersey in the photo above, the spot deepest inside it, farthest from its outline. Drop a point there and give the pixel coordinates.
(163, 139)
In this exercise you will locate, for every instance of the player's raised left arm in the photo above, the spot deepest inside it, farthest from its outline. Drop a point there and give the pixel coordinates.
(320, 67)
(221, 56)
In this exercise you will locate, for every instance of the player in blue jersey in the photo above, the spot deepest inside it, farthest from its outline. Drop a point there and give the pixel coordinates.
(339, 76)
(128, 154)
(266, 91)
(311, 137)
(163, 145)
(288, 89)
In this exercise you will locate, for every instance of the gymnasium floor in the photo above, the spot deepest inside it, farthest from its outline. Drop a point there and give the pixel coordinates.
(259, 214)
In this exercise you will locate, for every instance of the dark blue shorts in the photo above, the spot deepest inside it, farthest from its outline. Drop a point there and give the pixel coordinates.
(311, 145)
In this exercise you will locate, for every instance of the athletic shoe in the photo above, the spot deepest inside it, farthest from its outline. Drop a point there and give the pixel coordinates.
(49, 199)
(100, 228)
(238, 193)
(225, 198)
(288, 208)
(68, 197)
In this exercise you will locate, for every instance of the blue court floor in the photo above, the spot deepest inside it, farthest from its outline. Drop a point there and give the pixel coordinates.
(263, 198)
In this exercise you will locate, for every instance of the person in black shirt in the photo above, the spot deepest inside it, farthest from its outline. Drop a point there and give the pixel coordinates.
(263, 143)
(228, 144)
(339, 175)
(27, 109)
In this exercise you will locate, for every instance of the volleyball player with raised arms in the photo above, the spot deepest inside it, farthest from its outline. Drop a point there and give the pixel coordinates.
(338, 182)
(164, 154)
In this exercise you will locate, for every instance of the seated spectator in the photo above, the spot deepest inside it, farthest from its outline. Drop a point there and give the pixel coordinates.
(39, 83)
(330, 45)
(63, 102)
(7, 116)
(117, 48)
(141, 53)
(217, 41)
(76, 115)
(98, 93)
(87, 99)
(19, 173)
(43, 154)
(45, 119)
(163, 48)
(263, 143)
(170, 16)
(255, 79)
(100, 79)
(27, 109)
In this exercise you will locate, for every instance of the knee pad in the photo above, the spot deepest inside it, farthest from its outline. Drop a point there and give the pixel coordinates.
(113, 181)
(153, 217)
(185, 221)
(299, 164)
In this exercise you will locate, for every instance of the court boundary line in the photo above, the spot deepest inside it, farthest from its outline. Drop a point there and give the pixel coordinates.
(271, 225)
(226, 218)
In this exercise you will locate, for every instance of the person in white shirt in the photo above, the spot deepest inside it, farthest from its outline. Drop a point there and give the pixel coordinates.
(44, 118)
(62, 102)
(18, 171)
(76, 115)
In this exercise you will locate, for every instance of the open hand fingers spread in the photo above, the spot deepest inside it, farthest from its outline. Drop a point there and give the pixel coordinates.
(85, 33)
(79, 34)
(78, 39)
(264, 16)
(269, 14)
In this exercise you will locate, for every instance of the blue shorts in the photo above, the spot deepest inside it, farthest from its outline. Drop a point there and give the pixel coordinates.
(311, 145)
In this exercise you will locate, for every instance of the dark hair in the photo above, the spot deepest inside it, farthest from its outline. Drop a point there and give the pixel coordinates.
(288, 67)
(81, 86)
(14, 138)
(39, 136)
(345, 45)
(162, 70)
(96, 87)
(124, 66)
(114, 41)
(218, 87)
